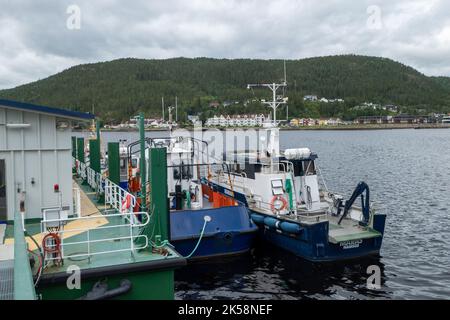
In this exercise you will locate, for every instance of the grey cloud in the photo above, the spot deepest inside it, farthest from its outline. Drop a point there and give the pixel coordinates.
(35, 42)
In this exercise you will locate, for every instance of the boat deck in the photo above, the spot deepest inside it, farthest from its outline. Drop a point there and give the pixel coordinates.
(6, 279)
(348, 230)
(105, 249)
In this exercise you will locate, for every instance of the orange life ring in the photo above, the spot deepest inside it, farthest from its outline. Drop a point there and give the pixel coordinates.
(54, 249)
(276, 199)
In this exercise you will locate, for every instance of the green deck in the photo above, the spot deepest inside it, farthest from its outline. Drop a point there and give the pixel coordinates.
(151, 273)
(349, 231)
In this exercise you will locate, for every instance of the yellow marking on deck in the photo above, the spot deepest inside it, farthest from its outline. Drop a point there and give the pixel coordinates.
(87, 209)
(80, 224)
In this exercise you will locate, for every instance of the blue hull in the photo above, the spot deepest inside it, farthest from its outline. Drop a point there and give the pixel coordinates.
(230, 231)
(312, 242)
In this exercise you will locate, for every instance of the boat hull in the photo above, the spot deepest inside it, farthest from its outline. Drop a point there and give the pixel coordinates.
(312, 242)
(230, 232)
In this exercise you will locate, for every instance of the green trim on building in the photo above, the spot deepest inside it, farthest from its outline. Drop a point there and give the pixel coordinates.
(74, 147)
(80, 149)
(159, 192)
(94, 155)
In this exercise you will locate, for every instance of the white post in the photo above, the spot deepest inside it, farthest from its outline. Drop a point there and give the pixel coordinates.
(274, 93)
(78, 199)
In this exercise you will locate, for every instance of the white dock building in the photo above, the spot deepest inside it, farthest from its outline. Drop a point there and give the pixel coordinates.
(35, 158)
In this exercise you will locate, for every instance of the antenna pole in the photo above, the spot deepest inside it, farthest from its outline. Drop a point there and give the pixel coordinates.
(276, 101)
(176, 109)
(162, 104)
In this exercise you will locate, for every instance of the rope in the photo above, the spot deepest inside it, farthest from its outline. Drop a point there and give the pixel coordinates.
(309, 197)
(41, 256)
(207, 219)
(321, 176)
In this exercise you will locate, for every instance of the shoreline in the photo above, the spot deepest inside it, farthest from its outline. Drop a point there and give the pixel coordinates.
(306, 128)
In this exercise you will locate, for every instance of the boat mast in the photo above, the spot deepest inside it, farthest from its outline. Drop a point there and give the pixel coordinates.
(162, 105)
(170, 108)
(176, 109)
(273, 146)
(276, 100)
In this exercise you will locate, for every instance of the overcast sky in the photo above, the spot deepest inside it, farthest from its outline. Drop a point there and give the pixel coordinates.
(40, 38)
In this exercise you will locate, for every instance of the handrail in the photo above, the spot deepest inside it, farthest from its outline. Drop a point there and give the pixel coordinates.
(131, 237)
(114, 194)
(23, 277)
(76, 201)
(116, 197)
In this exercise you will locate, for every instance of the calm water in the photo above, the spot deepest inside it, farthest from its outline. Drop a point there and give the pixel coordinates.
(408, 172)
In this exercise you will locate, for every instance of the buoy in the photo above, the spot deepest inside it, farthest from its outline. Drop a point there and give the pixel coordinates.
(272, 222)
(290, 227)
(257, 218)
(278, 203)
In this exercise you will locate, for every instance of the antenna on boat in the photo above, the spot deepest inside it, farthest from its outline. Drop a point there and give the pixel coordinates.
(162, 104)
(276, 100)
(170, 108)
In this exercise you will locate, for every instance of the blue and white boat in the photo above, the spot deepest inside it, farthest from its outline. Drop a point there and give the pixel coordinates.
(203, 223)
(281, 189)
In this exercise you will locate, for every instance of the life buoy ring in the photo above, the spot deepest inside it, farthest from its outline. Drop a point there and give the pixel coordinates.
(126, 203)
(56, 248)
(278, 203)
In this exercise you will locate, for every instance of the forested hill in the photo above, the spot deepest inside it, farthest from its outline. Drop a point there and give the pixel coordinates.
(120, 88)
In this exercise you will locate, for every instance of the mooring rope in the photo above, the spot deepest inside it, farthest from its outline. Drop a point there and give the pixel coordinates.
(207, 219)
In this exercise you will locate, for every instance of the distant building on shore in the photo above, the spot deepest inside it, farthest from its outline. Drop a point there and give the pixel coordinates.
(252, 120)
(314, 98)
(400, 119)
(302, 122)
(310, 98)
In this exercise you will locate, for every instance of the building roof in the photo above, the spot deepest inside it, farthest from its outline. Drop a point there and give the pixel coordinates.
(44, 109)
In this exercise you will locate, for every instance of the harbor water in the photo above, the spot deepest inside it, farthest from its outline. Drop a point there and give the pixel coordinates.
(408, 172)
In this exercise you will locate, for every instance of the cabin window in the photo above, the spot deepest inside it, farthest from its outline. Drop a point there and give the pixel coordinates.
(182, 172)
(123, 163)
(309, 168)
(298, 169)
(277, 187)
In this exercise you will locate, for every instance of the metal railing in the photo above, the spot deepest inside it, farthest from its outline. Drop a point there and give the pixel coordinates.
(94, 180)
(133, 234)
(76, 201)
(261, 205)
(115, 196)
(119, 199)
(81, 169)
